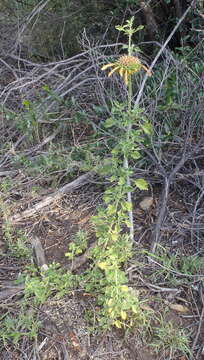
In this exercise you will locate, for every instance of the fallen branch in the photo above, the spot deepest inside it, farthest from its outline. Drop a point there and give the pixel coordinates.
(11, 291)
(8, 173)
(80, 181)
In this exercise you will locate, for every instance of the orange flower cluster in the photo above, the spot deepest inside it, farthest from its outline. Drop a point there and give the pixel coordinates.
(126, 65)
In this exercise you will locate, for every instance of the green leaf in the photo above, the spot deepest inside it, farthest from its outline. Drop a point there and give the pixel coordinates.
(141, 27)
(26, 103)
(109, 122)
(106, 169)
(111, 209)
(45, 87)
(135, 155)
(147, 128)
(128, 223)
(113, 178)
(118, 324)
(103, 265)
(121, 180)
(141, 184)
(126, 205)
(119, 27)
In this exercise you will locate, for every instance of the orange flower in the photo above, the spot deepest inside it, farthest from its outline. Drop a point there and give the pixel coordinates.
(126, 65)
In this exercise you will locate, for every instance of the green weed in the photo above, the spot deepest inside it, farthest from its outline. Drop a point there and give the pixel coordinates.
(78, 245)
(14, 329)
(17, 242)
(175, 267)
(169, 341)
(53, 281)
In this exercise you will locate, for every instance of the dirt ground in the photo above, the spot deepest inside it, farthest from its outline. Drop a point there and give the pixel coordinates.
(64, 333)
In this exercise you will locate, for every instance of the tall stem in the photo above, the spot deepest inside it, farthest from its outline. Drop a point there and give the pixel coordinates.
(126, 163)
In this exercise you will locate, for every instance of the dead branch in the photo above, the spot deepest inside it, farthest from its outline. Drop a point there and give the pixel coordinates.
(11, 291)
(77, 183)
(45, 141)
(165, 194)
(8, 172)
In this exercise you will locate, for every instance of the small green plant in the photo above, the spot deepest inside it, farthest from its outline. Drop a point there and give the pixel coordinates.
(38, 287)
(14, 329)
(170, 341)
(172, 268)
(52, 281)
(17, 241)
(5, 185)
(191, 265)
(19, 245)
(27, 121)
(78, 245)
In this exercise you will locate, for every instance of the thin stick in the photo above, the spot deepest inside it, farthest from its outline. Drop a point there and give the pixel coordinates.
(160, 52)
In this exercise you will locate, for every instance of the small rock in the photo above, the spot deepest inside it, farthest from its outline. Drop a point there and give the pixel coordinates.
(146, 203)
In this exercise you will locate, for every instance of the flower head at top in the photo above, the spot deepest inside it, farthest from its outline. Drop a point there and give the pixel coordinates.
(126, 65)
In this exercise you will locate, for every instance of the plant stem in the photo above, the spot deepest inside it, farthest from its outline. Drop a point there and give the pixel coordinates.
(126, 163)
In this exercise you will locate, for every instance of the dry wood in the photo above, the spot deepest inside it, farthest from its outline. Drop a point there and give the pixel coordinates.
(8, 172)
(11, 291)
(80, 181)
(39, 253)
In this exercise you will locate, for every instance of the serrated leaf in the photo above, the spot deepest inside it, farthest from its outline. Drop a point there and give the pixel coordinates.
(128, 223)
(110, 301)
(114, 236)
(109, 122)
(26, 103)
(117, 323)
(134, 309)
(135, 155)
(123, 315)
(111, 209)
(141, 184)
(124, 288)
(140, 27)
(119, 27)
(126, 206)
(147, 128)
(121, 181)
(102, 265)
